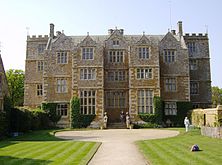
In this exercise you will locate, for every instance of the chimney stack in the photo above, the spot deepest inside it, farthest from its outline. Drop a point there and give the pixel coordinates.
(110, 31)
(173, 32)
(51, 33)
(180, 28)
(121, 31)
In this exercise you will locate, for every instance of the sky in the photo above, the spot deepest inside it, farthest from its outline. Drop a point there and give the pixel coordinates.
(77, 17)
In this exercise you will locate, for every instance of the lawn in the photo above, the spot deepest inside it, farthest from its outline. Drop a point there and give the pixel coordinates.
(41, 147)
(176, 150)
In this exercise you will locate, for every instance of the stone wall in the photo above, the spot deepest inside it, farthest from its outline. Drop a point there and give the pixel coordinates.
(214, 132)
(207, 117)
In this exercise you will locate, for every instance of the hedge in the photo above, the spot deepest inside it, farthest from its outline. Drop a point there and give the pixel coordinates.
(5, 118)
(23, 120)
(82, 121)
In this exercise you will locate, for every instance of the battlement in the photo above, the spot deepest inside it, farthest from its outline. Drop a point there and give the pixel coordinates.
(196, 35)
(39, 37)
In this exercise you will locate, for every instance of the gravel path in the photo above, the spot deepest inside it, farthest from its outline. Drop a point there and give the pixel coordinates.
(118, 146)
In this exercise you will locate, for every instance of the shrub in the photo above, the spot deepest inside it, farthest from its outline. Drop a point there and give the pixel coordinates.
(151, 118)
(145, 125)
(75, 113)
(23, 119)
(20, 120)
(50, 109)
(158, 109)
(3, 124)
(79, 120)
(5, 118)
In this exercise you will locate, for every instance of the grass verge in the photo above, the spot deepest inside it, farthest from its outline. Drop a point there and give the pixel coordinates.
(42, 147)
(176, 150)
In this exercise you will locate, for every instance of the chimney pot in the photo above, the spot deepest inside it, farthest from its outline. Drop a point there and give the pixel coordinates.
(51, 33)
(180, 28)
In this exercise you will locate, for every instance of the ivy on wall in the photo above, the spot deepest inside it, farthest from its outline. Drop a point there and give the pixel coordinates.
(50, 109)
(79, 120)
(182, 111)
(157, 117)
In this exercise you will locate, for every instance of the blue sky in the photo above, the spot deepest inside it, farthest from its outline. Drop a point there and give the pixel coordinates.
(77, 17)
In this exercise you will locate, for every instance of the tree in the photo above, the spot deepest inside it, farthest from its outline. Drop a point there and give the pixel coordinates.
(16, 86)
(216, 95)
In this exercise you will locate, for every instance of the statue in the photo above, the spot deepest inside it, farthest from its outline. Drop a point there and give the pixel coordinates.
(127, 120)
(105, 119)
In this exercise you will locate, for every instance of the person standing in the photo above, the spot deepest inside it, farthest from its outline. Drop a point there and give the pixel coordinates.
(186, 123)
(122, 117)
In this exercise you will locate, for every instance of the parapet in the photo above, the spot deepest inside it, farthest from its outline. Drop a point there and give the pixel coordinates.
(36, 38)
(196, 35)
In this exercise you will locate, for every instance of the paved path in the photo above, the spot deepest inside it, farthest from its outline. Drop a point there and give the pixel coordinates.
(118, 146)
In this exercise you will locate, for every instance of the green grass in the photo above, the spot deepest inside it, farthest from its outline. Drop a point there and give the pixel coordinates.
(176, 150)
(42, 147)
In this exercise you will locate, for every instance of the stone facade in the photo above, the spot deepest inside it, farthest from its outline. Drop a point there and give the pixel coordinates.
(117, 72)
(3, 85)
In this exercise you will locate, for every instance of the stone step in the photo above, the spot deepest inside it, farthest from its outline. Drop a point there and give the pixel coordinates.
(116, 125)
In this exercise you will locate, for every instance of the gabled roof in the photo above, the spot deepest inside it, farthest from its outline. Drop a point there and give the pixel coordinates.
(60, 42)
(144, 40)
(87, 41)
(169, 37)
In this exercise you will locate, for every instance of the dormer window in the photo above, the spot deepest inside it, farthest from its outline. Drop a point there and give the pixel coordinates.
(87, 53)
(115, 42)
(143, 52)
(62, 57)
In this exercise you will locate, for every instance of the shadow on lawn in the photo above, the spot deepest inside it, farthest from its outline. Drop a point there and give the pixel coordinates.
(7, 160)
(43, 135)
(6, 143)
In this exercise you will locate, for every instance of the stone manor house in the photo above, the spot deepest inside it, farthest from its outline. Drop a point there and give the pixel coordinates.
(117, 72)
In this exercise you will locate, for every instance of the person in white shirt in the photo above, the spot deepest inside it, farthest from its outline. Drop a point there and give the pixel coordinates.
(186, 123)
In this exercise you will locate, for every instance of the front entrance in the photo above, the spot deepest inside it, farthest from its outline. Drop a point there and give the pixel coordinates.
(116, 102)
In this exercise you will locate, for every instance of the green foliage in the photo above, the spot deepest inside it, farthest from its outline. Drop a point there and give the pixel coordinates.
(50, 109)
(155, 118)
(23, 120)
(151, 118)
(15, 80)
(3, 124)
(20, 120)
(75, 113)
(182, 111)
(79, 120)
(75, 105)
(216, 95)
(158, 108)
(145, 125)
(5, 118)
(85, 120)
